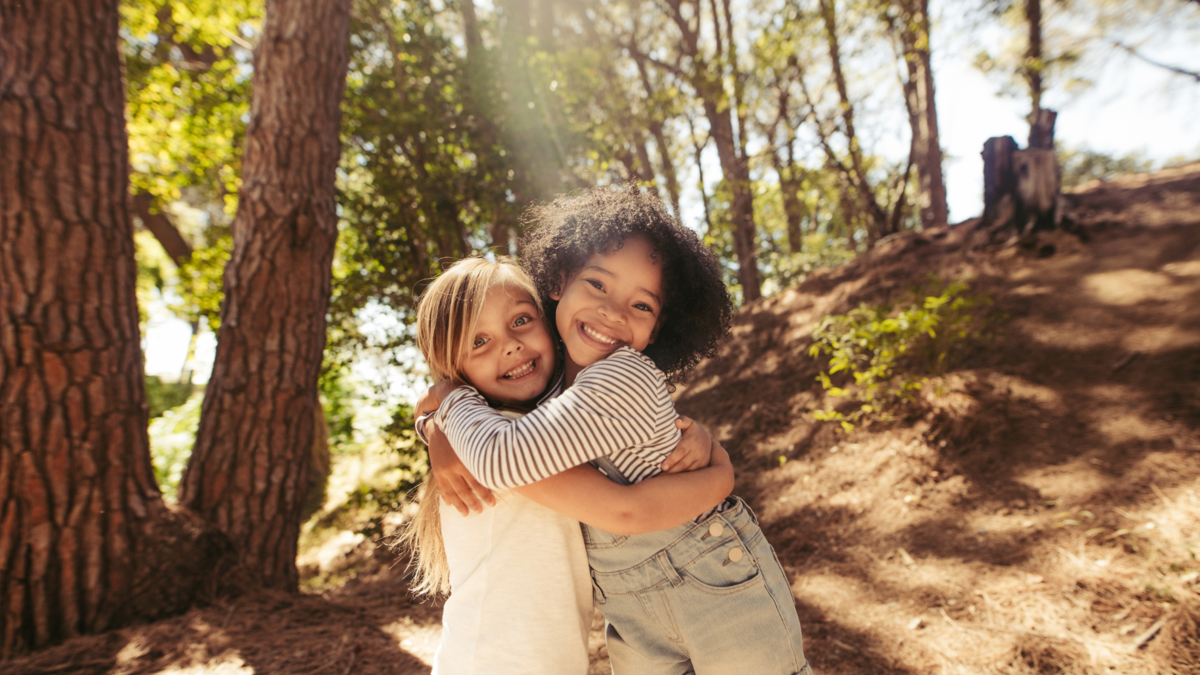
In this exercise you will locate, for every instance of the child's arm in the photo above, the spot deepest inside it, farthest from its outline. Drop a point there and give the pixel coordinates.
(616, 404)
(455, 483)
(460, 490)
(658, 503)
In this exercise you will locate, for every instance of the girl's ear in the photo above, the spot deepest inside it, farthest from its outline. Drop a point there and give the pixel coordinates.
(654, 333)
(556, 294)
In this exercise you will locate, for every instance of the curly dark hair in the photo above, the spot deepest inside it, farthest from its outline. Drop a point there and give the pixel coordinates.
(696, 307)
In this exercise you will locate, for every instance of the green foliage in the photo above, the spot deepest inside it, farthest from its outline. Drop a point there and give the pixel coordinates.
(1080, 165)
(155, 272)
(340, 401)
(172, 436)
(162, 395)
(884, 353)
(398, 435)
(200, 280)
(828, 232)
(819, 250)
(188, 72)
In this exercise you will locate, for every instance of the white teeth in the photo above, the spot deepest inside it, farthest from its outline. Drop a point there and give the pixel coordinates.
(520, 371)
(596, 336)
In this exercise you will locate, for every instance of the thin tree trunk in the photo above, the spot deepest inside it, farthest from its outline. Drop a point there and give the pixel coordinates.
(734, 166)
(879, 220)
(484, 130)
(249, 471)
(1034, 59)
(699, 148)
(86, 542)
(789, 181)
(919, 99)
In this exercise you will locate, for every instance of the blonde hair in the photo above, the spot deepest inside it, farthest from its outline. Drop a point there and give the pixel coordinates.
(447, 314)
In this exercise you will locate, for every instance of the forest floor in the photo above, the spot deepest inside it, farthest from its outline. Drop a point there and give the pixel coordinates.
(1036, 510)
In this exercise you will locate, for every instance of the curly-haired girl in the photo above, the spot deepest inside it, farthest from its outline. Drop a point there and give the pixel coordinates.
(637, 300)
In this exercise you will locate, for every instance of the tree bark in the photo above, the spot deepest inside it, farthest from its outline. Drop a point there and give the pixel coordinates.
(922, 112)
(249, 470)
(86, 542)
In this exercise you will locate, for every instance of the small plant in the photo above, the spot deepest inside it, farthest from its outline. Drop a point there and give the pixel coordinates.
(887, 351)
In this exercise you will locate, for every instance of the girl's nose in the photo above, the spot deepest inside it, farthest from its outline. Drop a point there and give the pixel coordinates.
(611, 314)
(514, 346)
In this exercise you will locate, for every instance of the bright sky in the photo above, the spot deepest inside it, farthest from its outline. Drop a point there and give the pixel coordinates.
(1135, 107)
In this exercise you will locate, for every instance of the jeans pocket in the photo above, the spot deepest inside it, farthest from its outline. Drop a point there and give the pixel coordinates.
(595, 538)
(718, 573)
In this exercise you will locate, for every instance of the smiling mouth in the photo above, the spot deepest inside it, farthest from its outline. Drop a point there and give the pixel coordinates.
(597, 336)
(520, 371)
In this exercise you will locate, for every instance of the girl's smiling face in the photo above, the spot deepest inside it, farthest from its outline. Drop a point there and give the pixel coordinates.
(615, 300)
(511, 356)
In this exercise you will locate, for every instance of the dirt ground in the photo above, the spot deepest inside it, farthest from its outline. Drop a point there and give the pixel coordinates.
(1036, 511)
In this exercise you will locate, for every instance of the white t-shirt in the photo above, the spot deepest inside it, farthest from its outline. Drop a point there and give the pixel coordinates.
(520, 592)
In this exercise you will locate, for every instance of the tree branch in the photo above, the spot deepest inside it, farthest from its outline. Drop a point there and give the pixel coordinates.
(1174, 69)
(673, 69)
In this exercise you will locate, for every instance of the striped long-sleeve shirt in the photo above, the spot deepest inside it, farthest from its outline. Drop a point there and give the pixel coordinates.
(618, 407)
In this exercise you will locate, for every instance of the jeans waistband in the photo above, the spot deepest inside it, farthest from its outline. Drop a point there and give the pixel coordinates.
(646, 560)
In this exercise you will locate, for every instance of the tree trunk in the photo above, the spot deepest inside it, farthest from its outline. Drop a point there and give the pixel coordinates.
(879, 222)
(485, 132)
(735, 166)
(1041, 132)
(998, 178)
(741, 209)
(86, 542)
(922, 112)
(1034, 61)
(249, 470)
(790, 178)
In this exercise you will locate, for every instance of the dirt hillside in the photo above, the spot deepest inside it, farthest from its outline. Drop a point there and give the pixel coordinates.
(1036, 511)
(1041, 513)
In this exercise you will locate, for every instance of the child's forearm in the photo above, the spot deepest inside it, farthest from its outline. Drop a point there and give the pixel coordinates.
(658, 503)
(504, 453)
(665, 501)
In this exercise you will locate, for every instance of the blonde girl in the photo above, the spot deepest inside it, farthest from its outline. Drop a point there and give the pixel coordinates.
(520, 594)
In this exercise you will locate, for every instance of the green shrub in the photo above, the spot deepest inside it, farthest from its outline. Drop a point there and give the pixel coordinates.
(172, 436)
(880, 357)
(162, 395)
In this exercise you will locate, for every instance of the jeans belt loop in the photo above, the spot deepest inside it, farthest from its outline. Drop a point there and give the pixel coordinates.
(668, 569)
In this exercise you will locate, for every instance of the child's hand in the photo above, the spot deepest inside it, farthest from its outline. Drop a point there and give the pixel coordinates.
(432, 398)
(455, 483)
(694, 450)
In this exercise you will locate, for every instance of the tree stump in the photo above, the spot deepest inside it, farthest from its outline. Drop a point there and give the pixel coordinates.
(1020, 187)
(1036, 175)
(998, 178)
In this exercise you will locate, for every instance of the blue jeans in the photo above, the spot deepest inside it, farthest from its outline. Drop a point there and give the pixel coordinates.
(708, 598)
